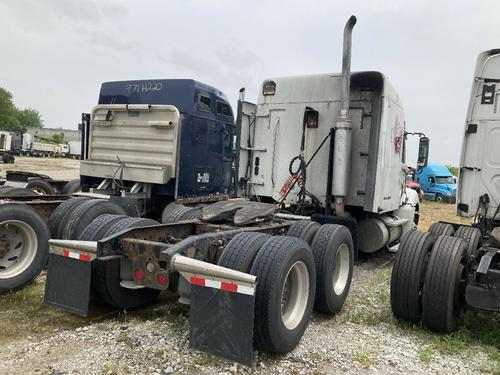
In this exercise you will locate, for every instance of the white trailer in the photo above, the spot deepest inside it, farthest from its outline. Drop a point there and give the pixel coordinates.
(75, 149)
(5, 141)
(6, 147)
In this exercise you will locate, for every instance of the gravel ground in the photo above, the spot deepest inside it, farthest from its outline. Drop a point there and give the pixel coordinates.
(363, 338)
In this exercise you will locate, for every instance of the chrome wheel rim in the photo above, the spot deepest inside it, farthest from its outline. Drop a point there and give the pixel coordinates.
(18, 248)
(294, 295)
(341, 270)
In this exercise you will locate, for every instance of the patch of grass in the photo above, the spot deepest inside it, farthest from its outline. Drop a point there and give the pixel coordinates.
(475, 329)
(123, 337)
(454, 343)
(494, 354)
(425, 353)
(25, 314)
(319, 357)
(371, 307)
(431, 212)
(207, 359)
(363, 359)
(109, 369)
(490, 368)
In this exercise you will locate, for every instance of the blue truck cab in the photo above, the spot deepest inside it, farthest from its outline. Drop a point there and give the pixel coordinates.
(205, 151)
(437, 183)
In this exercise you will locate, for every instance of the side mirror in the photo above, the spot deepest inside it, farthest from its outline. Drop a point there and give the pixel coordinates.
(423, 152)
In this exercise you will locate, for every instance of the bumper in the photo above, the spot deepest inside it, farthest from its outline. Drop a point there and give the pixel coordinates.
(221, 305)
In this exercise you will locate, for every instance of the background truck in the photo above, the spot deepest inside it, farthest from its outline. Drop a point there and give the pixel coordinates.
(47, 149)
(254, 234)
(74, 149)
(437, 183)
(5, 147)
(452, 266)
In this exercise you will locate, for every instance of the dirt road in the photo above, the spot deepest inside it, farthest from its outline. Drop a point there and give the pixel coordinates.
(56, 168)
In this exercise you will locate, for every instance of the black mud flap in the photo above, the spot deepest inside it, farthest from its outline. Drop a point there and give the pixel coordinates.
(222, 323)
(68, 284)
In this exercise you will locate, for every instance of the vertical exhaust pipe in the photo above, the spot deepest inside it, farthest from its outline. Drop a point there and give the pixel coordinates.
(343, 127)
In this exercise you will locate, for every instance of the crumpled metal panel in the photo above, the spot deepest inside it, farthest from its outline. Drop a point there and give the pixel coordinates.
(239, 211)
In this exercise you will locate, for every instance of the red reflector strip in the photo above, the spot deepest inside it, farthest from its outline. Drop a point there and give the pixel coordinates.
(75, 255)
(228, 287)
(197, 281)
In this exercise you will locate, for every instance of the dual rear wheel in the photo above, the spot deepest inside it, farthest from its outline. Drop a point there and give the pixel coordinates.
(310, 268)
(429, 275)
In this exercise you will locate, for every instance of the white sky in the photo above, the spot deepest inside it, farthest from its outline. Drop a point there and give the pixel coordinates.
(55, 54)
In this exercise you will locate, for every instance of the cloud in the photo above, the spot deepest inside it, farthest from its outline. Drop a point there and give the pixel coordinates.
(55, 54)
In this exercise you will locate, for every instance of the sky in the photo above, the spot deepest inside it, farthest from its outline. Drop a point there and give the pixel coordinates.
(54, 54)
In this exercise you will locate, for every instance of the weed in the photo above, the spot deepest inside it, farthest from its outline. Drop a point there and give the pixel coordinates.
(208, 360)
(123, 337)
(363, 359)
(320, 357)
(425, 353)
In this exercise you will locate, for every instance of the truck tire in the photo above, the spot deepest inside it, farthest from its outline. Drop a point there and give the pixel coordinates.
(23, 245)
(15, 191)
(304, 229)
(84, 214)
(439, 198)
(8, 159)
(183, 213)
(106, 274)
(284, 295)
(442, 300)
(333, 251)
(441, 229)
(98, 228)
(241, 251)
(71, 187)
(40, 187)
(4, 188)
(408, 274)
(169, 208)
(58, 216)
(472, 236)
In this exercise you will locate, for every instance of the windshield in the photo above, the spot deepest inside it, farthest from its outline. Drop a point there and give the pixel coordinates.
(445, 180)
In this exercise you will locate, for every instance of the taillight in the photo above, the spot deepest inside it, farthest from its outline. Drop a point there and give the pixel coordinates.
(139, 274)
(162, 279)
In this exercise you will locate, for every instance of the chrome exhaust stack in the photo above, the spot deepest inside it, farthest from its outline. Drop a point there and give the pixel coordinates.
(343, 127)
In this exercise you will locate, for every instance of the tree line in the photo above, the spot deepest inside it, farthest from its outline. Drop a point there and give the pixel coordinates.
(14, 119)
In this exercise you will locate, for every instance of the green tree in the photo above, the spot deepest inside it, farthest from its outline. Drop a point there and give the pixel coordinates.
(58, 138)
(29, 117)
(8, 119)
(453, 170)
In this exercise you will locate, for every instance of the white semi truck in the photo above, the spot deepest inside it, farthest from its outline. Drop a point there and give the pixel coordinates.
(438, 273)
(316, 173)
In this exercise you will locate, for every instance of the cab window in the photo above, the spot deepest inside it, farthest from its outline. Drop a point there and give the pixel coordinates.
(224, 109)
(204, 103)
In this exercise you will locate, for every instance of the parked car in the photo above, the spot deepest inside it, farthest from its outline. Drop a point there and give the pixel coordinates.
(414, 185)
